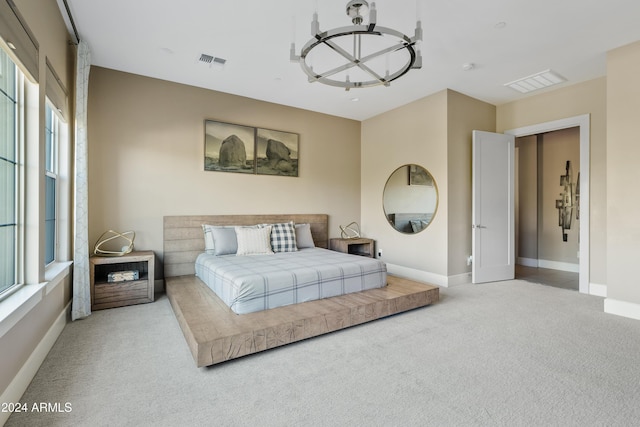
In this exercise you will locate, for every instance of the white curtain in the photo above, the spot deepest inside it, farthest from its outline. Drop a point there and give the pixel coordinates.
(81, 303)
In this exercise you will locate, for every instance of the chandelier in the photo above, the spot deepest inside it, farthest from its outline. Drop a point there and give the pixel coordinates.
(360, 55)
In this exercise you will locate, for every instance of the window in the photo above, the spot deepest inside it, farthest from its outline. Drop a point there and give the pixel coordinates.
(8, 173)
(51, 180)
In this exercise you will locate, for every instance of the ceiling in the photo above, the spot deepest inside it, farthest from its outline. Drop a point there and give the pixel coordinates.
(504, 39)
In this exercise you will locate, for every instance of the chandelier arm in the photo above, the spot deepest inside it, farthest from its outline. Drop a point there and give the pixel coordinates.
(353, 60)
(371, 83)
(361, 62)
(347, 85)
(337, 70)
(372, 73)
(356, 62)
(389, 49)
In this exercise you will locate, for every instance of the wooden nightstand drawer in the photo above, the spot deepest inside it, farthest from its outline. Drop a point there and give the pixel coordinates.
(123, 293)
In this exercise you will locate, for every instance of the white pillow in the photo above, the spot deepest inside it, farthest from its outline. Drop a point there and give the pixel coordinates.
(209, 245)
(254, 241)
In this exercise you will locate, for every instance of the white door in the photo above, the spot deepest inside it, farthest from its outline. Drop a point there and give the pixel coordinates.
(493, 207)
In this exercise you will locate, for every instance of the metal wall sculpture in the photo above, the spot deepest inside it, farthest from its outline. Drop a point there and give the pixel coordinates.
(567, 201)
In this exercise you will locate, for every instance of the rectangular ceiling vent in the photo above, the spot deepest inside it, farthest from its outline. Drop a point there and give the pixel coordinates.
(211, 60)
(536, 81)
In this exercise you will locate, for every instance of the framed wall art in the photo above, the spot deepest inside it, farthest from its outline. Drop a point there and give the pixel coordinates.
(276, 152)
(419, 176)
(245, 149)
(229, 147)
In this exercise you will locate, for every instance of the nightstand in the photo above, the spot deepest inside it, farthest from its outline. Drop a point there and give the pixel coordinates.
(359, 246)
(113, 281)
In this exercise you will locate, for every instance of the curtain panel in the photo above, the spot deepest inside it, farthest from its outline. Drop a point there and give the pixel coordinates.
(81, 303)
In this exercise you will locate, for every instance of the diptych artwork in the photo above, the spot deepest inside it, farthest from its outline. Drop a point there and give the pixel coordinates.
(245, 149)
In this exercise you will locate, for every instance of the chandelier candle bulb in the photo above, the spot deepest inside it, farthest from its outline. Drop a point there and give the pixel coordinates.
(315, 25)
(373, 13)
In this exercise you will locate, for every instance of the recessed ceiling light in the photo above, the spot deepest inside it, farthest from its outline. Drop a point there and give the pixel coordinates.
(468, 66)
(355, 99)
(536, 81)
(500, 25)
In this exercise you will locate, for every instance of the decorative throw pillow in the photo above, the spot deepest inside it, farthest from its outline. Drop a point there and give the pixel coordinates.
(304, 239)
(225, 241)
(254, 241)
(283, 237)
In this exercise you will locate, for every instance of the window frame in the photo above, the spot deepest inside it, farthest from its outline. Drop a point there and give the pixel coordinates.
(52, 171)
(19, 105)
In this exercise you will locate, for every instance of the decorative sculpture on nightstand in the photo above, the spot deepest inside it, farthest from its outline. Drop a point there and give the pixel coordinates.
(127, 236)
(350, 231)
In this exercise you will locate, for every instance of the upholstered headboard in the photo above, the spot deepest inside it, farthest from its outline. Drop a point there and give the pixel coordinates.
(184, 238)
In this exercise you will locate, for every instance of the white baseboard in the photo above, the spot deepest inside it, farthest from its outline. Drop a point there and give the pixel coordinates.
(552, 265)
(459, 279)
(21, 381)
(622, 308)
(427, 277)
(562, 266)
(598, 290)
(528, 262)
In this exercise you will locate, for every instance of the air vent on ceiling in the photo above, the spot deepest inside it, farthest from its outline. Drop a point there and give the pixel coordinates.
(536, 81)
(211, 60)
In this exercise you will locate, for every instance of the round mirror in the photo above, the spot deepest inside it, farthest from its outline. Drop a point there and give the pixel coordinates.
(410, 199)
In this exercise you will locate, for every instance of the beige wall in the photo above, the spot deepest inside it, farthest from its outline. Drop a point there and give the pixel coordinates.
(526, 199)
(623, 152)
(465, 114)
(582, 98)
(146, 158)
(47, 24)
(414, 133)
(434, 132)
(20, 341)
(18, 344)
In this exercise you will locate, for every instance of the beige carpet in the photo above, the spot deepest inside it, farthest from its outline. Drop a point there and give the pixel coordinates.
(506, 354)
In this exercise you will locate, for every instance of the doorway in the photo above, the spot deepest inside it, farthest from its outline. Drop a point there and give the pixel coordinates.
(583, 123)
(547, 211)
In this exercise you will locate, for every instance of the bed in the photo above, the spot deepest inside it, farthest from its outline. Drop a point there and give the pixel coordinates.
(254, 283)
(216, 333)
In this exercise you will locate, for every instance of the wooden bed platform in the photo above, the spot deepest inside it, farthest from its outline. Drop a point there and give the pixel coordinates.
(216, 334)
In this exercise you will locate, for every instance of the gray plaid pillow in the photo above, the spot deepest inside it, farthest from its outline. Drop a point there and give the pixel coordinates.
(283, 237)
